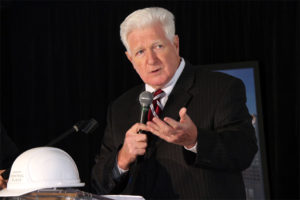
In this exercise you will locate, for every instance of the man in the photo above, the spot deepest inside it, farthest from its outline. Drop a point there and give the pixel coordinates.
(8, 153)
(201, 141)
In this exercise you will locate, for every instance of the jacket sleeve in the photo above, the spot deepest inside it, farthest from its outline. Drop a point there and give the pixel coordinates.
(231, 145)
(102, 173)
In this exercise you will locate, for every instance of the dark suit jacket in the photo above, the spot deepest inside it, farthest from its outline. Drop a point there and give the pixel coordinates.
(226, 142)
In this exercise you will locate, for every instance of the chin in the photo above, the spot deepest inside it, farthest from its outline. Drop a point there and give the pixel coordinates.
(156, 85)
(158, 82)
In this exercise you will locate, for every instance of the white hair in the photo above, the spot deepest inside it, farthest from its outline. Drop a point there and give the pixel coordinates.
(145, 17)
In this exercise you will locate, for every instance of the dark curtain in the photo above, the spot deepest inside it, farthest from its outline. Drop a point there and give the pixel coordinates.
(63, 61)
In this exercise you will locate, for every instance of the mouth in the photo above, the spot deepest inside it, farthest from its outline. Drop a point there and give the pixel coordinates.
(154, 71)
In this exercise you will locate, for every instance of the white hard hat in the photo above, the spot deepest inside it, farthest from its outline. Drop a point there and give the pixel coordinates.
(41, 168)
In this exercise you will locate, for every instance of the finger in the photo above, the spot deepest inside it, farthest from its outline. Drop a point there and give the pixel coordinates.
(137, 127)
(164, 128)
(154, 128)
(183, 114)
(141, 145)
(160, 134)
(163, 131)
(159, 123)
(172, 123)
(141, 127)
(140, 152)
(140, 137)
(152, 125)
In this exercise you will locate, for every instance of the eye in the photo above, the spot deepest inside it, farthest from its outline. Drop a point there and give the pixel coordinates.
(139, 52)
(159, 46)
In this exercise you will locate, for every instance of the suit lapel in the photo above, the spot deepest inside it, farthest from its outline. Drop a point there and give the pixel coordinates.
(180, 96)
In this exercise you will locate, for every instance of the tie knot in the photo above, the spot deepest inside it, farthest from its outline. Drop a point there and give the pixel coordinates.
(158, 94)
(156, 107)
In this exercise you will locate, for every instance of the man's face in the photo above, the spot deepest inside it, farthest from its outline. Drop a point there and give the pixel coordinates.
(154, 57)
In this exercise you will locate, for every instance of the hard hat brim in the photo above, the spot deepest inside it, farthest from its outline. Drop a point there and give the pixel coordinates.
(18, 192)
(11, 193)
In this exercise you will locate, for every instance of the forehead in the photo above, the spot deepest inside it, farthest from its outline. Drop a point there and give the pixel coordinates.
(146, 35)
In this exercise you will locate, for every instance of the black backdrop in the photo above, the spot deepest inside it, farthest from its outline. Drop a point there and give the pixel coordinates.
(62, 61)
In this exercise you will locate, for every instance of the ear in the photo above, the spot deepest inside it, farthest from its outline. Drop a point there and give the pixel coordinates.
(128, 56)
(176, 43)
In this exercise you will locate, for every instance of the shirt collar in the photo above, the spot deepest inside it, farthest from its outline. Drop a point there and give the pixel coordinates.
(170, 85)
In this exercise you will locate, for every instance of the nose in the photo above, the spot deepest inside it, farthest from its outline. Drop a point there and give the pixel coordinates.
(151, 57)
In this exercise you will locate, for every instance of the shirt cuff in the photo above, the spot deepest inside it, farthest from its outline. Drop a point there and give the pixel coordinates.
(122, 171)
(117, 171)
(192, 149)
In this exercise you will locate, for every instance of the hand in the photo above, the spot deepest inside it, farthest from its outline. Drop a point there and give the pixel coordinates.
(3, 182)
(183, 133)
(134, 145)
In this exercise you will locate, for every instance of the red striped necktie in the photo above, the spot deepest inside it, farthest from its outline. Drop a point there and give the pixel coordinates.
(156, 106)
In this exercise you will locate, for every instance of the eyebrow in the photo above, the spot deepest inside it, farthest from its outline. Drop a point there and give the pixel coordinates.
(141, 47)
(137, 49)
(156, 42)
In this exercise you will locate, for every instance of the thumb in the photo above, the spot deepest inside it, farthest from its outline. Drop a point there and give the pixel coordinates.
(182, 114)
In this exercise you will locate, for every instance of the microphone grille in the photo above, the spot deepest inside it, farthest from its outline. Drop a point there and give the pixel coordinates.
(145, 98)
(86, 126)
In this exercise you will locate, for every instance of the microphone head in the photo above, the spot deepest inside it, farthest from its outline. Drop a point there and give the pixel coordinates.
(145, 99)
(86, 126)
(90, 126)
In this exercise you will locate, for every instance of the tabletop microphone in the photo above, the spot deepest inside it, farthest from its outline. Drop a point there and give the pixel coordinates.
(85, 126)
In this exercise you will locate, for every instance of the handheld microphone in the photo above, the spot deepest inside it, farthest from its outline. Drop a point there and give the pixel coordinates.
(145, 99)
